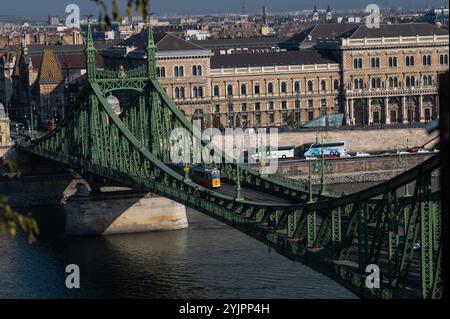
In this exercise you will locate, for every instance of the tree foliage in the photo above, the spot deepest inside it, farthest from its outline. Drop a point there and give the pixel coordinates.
(107, 15)
(11, 220)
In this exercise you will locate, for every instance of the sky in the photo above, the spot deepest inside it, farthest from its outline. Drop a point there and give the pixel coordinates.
(43, 8)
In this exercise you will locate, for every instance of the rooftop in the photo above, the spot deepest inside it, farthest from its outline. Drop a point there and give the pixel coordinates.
(303, 57)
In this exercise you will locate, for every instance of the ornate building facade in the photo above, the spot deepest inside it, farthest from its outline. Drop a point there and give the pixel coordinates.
(390, 74)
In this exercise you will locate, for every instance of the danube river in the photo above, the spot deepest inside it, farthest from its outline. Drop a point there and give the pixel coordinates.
(207, 260)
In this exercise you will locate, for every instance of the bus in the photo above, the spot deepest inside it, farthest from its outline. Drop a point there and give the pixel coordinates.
(327, 149)
(274, 152)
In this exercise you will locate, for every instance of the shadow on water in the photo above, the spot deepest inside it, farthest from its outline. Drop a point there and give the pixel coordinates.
(207, 260)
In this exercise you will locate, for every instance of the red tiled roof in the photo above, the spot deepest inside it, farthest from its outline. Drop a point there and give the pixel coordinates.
(68, 61)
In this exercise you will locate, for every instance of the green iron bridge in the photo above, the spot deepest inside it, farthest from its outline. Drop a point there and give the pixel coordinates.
(337, 236)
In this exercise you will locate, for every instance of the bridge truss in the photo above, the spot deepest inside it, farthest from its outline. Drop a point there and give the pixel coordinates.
(337, 236)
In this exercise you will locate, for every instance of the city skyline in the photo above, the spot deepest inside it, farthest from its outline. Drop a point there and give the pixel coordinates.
(49, 7)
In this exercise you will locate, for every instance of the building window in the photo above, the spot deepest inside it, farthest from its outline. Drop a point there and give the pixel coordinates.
(230, 120)
(258, 119)
(323, 85)
(243, 89)
(179, 93)
(297, 104)
(200, 91)
(393, 82)
(310, 116)
(358, 84)
(217, 108)
(284, 117)
(410, 81)
(375, 62)
(376, 83)
(427, 80)
(230, 108)
(297, 86)
(283, 87)
(271, 118)
(244, 120)
(270, 105)
(443, 59)
(336, 101)
(257, 106)
(194, 92)
(283, 105)
(270, 88)
(409, 60)
(256, 88)
(244, 107)
(357, 63)
(310, 103)
(336, 85)
(310, 86)
(392, 62)
(230, 90)
(196, 70)
(323, 103)
(426, 60)
(216, 90)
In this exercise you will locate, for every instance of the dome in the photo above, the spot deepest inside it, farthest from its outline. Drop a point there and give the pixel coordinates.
(115, 103)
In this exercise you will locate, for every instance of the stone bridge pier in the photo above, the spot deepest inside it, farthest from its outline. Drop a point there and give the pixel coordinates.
(117, 211)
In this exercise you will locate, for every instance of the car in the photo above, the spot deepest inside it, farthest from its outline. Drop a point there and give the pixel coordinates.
(362, 154)
(422, 150)
(402, 152)
(345, 155)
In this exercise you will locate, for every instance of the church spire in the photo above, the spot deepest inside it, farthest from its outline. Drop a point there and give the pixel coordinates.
(90, 52)
(151, 50)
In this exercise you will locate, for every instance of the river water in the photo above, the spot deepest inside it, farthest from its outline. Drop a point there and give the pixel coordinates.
(207, 260)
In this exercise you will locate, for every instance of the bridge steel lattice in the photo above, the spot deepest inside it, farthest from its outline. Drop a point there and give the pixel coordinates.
(336, 236)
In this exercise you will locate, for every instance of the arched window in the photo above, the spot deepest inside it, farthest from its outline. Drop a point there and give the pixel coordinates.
(408, 81)
(199, 70)
(243, 89)
(297, 86)
(283, 87)
(194, 70)
(182, 95)
(429, 59)
(181, 71)
(424, 60)
(355, 63)
(176, 71)
(356, 84)
(177, 93)
(216, 90)
(310, 86)
(195, 92)
(158, 72)
(270, 88)
(336, 84)
(360, 63)
(163, 72)
(425, 80)
(361, 83)
(373, 83)
(373, 62)
(413, 81)
(230, 90)
(323, 85)
(200, 91)
(391, 82)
